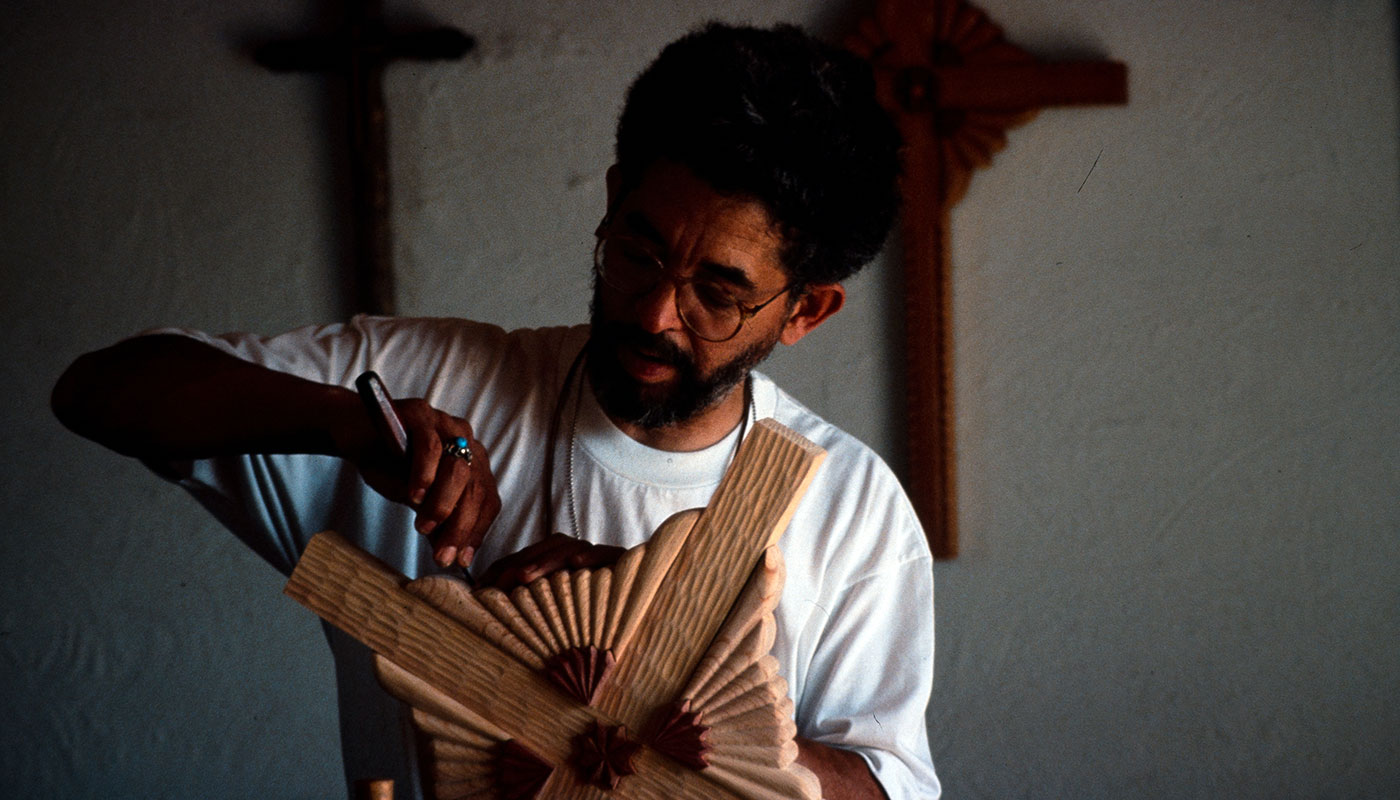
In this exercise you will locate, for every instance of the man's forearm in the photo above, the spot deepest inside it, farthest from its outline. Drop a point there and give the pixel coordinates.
(164, 397)
(844, 774)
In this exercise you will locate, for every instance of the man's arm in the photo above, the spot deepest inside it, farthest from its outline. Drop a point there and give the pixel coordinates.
(170, 397)
(843, 773)
(166, 397)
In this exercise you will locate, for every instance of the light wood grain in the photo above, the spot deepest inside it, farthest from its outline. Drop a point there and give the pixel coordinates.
(747, 514)
(357, 593)
(453, 598)
(700, 592)
(746, 635)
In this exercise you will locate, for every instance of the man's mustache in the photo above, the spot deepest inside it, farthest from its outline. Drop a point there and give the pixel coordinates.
(657, 346)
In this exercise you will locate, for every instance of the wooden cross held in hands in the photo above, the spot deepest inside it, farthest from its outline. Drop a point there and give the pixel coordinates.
(647, 679)
(954, 86)
(360, 51)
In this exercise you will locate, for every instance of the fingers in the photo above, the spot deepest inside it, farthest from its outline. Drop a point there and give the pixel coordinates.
(541, 558)
(459, 507)
(456, 501)
(449, 481)
(597, 555)
(427, 429)
(528, 564)
(457, 539)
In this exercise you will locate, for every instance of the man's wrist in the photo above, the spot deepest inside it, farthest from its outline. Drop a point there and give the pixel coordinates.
(843, 773)
(342, 425)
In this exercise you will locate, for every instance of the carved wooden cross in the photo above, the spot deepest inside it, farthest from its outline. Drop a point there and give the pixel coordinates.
(647, 679)
(955, 86)
(360, 51)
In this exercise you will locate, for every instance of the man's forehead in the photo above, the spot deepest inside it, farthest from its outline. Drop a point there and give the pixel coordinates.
(684, 217)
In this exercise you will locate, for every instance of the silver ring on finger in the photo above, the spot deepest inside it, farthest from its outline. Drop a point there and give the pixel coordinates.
(459, 448)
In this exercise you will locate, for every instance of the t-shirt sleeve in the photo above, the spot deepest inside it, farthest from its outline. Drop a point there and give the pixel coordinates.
(337, 353)
(866, 638)
(275, 503)
(857, 638)
(874, 664)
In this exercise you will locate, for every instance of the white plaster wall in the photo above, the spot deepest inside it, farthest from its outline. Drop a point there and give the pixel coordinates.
(1176, 380)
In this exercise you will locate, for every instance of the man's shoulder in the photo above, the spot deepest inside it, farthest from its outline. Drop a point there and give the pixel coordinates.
(848, 452)
(414, 346)
(458, 358)
(856, 510)
(446, 332)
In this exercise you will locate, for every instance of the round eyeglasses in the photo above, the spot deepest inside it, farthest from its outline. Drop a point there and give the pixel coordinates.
(706, 306)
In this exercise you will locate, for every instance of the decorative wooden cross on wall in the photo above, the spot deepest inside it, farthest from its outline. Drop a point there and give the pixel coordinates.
(954, 86)
(360, 51)
(647, 679)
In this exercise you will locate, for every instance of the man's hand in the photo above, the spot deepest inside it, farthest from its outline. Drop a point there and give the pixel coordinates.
(541, 558)
(455, 501)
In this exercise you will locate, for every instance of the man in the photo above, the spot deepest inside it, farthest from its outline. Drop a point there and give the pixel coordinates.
(754, 173)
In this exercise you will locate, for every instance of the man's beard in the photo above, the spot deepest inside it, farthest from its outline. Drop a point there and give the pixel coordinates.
(623, 398)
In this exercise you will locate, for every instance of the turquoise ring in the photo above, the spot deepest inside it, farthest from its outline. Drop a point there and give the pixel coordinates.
(459, 448)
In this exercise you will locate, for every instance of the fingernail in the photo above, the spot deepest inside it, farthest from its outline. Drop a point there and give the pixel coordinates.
(425, 526)
(417, 496)
(465, 559)
(446, 555)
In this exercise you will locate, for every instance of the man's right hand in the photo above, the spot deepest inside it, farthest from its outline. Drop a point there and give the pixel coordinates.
(456, 502)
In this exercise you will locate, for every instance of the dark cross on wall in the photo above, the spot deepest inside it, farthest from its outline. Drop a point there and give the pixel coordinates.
(955, 86)
(360, 50)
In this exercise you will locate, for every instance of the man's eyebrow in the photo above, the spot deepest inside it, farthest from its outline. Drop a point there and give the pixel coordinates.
(639, 225)
(729, 274)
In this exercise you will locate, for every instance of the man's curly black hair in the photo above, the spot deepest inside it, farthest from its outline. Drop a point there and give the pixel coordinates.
(779, 117)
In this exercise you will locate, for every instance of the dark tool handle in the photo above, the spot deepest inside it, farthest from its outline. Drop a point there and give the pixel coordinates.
(381, 411)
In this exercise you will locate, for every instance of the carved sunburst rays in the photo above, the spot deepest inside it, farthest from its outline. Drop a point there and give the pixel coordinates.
(733, 720)
(569, 625)
(909, 43)
(678, 597)
(472, 758)
(734, 717)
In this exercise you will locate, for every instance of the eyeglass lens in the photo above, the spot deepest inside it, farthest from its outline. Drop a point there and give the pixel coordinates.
(708, 310)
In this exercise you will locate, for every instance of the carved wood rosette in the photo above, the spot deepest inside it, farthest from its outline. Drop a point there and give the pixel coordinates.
(648, 679)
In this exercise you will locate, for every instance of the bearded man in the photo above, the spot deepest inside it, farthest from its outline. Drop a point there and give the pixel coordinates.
(755, 172)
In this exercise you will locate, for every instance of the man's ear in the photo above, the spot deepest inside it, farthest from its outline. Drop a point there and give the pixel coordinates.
(814, 307)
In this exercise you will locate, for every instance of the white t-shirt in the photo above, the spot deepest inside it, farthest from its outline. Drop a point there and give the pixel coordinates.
(855, 622)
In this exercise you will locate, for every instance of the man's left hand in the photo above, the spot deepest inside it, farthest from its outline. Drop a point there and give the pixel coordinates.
(541, 558)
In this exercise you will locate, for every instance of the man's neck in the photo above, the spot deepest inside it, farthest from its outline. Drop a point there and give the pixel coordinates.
(697, 433)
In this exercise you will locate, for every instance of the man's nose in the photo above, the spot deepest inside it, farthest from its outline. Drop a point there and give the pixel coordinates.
(656, 309)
